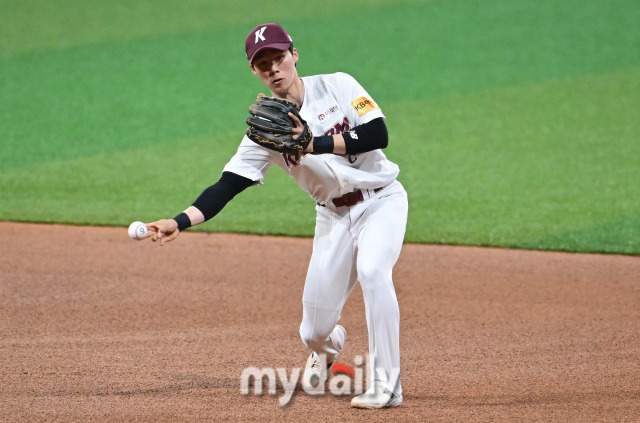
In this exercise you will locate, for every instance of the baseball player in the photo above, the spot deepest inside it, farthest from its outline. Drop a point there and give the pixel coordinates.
(361, 207)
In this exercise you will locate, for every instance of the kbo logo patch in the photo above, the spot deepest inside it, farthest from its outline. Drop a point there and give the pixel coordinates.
(363, 105)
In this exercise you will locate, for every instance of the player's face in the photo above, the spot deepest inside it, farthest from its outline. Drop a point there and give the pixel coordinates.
(276, 69)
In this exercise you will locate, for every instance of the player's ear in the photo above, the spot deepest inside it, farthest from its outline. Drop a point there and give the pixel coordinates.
(253, 69)
(294, 53)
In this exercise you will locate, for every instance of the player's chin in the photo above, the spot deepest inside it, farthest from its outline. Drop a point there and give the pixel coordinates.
(278, 87)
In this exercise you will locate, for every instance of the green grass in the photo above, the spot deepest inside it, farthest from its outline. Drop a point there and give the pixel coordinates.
(515, 123)
(532, 166)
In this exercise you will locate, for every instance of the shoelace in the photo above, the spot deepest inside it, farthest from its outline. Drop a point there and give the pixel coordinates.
(317, 365)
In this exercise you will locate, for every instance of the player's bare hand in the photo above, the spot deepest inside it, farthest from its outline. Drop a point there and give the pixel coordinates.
(297, 130)
(165, 230)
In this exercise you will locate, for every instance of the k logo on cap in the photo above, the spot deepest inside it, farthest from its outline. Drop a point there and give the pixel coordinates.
(265, 36)
(259, 36)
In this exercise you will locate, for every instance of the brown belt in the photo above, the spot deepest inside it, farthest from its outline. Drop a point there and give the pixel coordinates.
(351, 198)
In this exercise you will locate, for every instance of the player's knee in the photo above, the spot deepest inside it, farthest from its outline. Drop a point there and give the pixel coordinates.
(313, 339)
(373, 277)
(312, 342)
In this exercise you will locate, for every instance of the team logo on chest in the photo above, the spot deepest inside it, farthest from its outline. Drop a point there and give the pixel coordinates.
(339, 128)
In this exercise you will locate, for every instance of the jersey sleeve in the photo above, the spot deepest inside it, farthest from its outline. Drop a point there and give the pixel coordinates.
(250, 161)
(356, 102)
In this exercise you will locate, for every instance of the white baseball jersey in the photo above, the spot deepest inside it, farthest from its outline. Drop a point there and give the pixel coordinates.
(333, 104)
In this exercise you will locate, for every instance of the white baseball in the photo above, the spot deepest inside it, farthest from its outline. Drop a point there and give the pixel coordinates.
(137, 230)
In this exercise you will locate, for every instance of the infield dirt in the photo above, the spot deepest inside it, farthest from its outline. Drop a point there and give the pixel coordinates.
(97, 327)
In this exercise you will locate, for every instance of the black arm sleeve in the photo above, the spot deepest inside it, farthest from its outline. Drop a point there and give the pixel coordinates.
(214, 198)
(366, 137)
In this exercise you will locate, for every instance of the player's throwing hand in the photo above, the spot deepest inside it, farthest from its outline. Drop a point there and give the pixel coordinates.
(164, 230)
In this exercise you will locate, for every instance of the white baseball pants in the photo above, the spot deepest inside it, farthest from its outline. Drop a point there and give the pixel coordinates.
(358, 243)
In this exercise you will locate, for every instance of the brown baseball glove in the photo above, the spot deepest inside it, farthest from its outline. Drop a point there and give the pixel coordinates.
(271, 126)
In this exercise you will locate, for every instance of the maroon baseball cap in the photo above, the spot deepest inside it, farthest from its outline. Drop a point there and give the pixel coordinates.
(266, 36)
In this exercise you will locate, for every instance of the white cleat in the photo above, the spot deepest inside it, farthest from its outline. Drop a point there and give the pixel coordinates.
(317, 371)
(377, 396)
